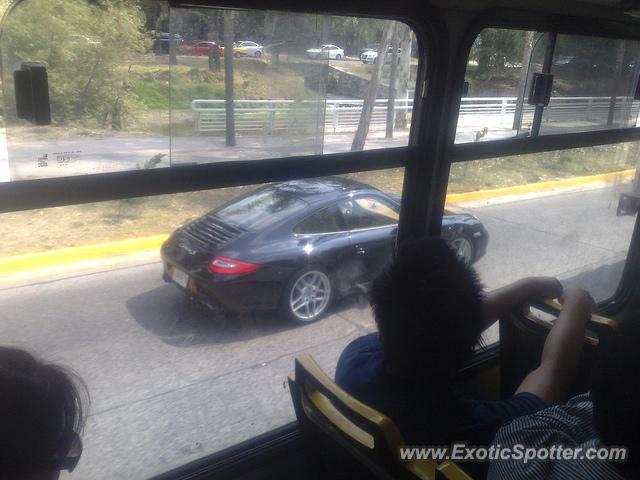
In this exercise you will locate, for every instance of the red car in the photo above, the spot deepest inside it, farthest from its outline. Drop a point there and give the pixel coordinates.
(198, 48)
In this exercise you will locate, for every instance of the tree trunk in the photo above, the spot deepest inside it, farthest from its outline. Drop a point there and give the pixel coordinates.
(228, 79)
(326, 29)
(522, 83)
(369, 102)
(393, 73)
(404, 73)
(173, 59)
(271, 44)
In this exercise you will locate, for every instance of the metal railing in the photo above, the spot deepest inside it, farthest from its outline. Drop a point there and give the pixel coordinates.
(270, 116)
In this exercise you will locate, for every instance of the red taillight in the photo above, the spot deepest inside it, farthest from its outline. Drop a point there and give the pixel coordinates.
(229, 266)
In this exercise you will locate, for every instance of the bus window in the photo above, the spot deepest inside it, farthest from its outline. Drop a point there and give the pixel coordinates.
(172, 379)
(594, 85)
(551, 214)
(590, 85)
(496, 74)
(139, 85)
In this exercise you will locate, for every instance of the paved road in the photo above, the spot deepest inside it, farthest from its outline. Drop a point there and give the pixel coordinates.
(171, 382)
(87, 155)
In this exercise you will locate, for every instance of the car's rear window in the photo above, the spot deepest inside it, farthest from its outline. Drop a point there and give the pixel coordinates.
(263, 209)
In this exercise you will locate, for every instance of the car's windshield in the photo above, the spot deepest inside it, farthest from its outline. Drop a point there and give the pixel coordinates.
(261, 210)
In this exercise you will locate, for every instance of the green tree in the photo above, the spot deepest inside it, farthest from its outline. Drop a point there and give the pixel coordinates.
(87, 48)
(493, 48)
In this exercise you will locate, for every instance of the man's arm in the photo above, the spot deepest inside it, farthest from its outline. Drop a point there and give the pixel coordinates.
(501, 301)
(561, 352)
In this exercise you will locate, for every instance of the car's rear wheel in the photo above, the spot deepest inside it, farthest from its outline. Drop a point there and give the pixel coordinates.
(308, 295)
(338, 57)
(463, 246)
(257, 54)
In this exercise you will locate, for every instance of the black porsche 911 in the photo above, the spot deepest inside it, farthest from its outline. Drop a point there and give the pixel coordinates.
(295, 246)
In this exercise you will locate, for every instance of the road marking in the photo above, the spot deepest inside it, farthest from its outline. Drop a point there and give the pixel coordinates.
(78, 257)
(539, 187)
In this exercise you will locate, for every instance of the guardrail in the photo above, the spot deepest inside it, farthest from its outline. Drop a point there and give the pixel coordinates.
(270, 116)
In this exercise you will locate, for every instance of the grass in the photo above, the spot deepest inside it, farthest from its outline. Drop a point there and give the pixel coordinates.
(533, 168)
(153, 84)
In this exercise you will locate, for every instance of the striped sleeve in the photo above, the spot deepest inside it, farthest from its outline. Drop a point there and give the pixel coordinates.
(569, 426)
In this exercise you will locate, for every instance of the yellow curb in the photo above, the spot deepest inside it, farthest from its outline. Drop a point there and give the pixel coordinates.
(78, 255)
(81, 256)
(538, 187)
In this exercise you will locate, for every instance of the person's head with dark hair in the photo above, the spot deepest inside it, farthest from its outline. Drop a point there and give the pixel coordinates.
(615, 391)
(428, 306)
(42, 414)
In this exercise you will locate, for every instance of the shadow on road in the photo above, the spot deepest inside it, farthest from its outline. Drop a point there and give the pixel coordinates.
(601, 282)
(171, 316)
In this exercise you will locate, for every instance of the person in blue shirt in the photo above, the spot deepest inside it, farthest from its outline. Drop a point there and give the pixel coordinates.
(430, 312)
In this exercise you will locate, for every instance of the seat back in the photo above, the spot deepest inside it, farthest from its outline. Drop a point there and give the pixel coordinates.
(345, 438)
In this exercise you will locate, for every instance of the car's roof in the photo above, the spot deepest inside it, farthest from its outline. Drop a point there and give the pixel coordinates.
(322, 189)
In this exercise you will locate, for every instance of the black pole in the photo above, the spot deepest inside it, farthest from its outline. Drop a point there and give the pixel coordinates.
(546, 68)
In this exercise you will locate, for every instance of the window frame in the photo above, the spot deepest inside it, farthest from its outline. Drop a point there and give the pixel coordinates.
(558, 24)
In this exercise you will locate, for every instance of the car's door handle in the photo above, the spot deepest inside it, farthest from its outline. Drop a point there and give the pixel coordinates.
(360, 250)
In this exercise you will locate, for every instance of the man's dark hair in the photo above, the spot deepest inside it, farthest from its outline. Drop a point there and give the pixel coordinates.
(615, 391)
(429, 309)
(41, 405)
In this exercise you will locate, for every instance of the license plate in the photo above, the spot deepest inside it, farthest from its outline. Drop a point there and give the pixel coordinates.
(180, 278)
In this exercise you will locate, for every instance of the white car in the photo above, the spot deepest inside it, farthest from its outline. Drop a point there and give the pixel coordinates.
(247, 48)
(331, 52)
(371, 56)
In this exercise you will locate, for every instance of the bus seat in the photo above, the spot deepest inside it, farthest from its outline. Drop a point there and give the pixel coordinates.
(448, 470)
(345, 438)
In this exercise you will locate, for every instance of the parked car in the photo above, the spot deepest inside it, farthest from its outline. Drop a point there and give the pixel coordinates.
(296, 246)
(246, 48)
(332, 52)
(371, 56)
(161, 41)
(198, 48)
(374, 47)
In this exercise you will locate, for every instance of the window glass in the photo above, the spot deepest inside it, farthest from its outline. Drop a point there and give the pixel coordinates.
(567, 213)
(325, 221)
(592, 87)
(262, 209)
(140, 85)
(173, 380)
(369, 212)
(594, 82)
(496, 75)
